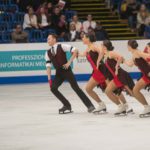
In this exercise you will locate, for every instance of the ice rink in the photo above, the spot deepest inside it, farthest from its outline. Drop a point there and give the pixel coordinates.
(29, 120)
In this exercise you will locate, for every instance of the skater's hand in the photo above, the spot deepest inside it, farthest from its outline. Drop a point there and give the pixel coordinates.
(66, 66)
(50, 83)
(149, 74)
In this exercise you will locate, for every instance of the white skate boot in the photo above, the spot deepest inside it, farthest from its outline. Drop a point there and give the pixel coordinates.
(121, 110)
(129, 110)
(100, 109)
(146, 112)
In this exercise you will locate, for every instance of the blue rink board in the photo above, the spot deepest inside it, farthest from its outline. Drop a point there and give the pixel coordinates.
(42, 79)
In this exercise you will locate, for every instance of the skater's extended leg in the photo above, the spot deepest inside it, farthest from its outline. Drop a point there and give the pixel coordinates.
(109, 92)
(70, 77)
(55, 85)
(138, 95)
(89, 89)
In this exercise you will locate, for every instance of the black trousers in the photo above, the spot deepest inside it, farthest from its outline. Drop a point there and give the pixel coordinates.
(62, 75)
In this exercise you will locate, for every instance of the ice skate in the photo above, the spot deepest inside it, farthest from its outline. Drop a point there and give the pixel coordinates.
(65, 110)
(146, 112)
(101, 109)
(91, 109)
(121, 111)
(129, 110)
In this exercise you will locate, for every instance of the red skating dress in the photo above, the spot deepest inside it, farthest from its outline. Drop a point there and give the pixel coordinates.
(144, 67)
(122, 79)
(98, 74)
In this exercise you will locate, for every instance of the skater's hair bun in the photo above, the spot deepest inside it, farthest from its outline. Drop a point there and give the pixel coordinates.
(91, 37)
(133, 44)
(108, 45)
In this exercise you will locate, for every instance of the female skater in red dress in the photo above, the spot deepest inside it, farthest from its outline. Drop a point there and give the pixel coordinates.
(101, 75)
(94, 56)
(121, 79)
(140, 59)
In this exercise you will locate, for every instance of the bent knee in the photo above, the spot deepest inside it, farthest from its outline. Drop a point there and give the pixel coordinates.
(108, 91)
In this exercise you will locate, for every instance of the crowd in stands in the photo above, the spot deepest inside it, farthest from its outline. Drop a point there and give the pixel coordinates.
(32, 21)
(137, 12)
(38, 18)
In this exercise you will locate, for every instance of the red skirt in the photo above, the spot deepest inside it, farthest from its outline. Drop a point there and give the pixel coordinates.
(98, 76)
(117, 82)
(146, 79)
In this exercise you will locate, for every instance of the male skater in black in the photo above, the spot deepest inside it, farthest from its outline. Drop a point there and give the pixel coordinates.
(56, 55)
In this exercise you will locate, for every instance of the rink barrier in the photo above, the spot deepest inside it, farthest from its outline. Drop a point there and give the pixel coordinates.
(25, 63)
(43, 79)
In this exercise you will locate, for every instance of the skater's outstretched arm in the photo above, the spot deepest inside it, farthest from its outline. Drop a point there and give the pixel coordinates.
(82, 54)
(100, 52)
(144, 55)
(74, 52)
(118, 58)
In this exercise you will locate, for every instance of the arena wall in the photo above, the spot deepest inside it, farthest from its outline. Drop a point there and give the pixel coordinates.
(24, 63)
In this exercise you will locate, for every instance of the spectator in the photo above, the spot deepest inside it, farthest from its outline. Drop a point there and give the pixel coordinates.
(81, 35)
(73, 34)
(114, 6)
(77, 23)
(44, 21)
(62, 26)
(49, 8)
(44, 5)
(89, 23)
(132, 14)
(91, 31)
(55, 17)
(61, 4)
(19, 36)
(100, 32)
(141, 19)
(123, 9)
(30, 20)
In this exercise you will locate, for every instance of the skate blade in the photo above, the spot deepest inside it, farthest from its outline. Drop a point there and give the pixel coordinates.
(144, 115)
(102, 112)
(66, 112)
(130, 111)
(120, 114)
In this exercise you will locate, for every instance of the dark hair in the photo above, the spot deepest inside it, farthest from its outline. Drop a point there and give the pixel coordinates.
(108, 45)
(54, 36)
(148, 44)
(91, 37)
(133, 44)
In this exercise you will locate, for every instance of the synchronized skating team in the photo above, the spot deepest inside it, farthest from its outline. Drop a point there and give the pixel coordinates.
(107, 74)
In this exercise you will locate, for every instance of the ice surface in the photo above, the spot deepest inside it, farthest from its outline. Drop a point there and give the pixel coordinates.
(29, 120)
